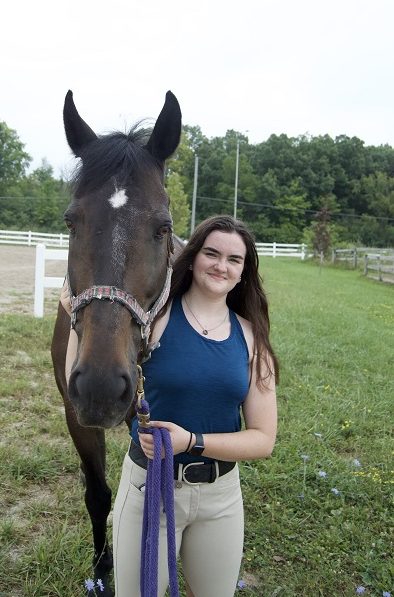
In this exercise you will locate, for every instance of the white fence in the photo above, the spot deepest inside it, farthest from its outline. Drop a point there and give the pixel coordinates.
(41, 280)
(282, 250)
(16, 237)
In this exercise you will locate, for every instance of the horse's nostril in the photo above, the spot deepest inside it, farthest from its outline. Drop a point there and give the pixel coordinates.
(127, 387)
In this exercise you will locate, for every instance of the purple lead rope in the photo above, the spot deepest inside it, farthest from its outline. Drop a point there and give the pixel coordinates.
(159, 485)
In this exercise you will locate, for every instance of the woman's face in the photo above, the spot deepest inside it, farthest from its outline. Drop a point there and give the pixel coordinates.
(218, 266)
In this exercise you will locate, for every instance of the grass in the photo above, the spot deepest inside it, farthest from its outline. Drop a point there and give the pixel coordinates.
(333, 332)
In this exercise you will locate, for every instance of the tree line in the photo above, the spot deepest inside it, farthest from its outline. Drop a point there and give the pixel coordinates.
(290, 189)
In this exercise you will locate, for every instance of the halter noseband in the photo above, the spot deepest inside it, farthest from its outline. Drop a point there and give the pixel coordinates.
(113, 294)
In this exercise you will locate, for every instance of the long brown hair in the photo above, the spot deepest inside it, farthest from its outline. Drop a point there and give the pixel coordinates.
(247, 298)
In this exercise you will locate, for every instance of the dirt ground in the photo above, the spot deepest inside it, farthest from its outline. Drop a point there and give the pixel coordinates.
(17, 268)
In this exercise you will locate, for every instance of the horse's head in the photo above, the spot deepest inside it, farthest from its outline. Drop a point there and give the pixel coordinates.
(120, 237)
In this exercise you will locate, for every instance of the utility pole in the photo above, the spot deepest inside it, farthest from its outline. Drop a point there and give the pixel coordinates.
(236, 180)
(193, 220)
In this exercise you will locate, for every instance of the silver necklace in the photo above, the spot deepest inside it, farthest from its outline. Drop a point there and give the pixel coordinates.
(204, 329)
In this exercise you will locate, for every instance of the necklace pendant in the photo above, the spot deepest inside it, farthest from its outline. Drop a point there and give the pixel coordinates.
(205, 332)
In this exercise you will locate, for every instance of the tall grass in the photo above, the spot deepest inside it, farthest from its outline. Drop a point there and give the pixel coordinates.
(333, 332)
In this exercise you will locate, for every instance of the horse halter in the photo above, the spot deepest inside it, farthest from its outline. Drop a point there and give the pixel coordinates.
(114, 294)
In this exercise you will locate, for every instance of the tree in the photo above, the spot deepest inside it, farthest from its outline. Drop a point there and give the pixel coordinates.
(13, 159)
(36, 202)
(321, 232)
(178, 204)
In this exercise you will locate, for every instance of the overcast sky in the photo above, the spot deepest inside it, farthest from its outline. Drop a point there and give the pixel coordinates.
(262, 66)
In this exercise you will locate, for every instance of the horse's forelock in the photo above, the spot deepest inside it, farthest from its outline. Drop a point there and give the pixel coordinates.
(115, 155)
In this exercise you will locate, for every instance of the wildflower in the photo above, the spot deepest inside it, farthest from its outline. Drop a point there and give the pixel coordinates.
(100, 584)
(322, 474)
(301, 496)
(304, 457)
(360, 590)
(386, 594)
(356, 462)
(336, 491)
(317, 434)
(89, 584)
(241, 584)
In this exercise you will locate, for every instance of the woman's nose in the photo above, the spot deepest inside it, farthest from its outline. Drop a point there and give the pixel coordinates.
(220, 265)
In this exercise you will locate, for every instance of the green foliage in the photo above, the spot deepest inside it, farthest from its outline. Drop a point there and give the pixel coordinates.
(284, 183)
(13, 159)
(178, 203)
(37, 202)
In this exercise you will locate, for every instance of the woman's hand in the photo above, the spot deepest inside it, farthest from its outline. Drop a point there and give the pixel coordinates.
(65, 298)
(179, 438)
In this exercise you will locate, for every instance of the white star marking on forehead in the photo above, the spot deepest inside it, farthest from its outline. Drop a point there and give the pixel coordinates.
(118, 199)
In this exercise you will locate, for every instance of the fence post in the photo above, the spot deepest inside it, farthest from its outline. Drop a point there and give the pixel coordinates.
(355, 258)
(380, 269)
(303, 252)
(39, 281)
(29, 238)
(366, 264)
(274, 249)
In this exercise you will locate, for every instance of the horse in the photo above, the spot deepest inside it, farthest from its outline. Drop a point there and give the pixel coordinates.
(121, 242)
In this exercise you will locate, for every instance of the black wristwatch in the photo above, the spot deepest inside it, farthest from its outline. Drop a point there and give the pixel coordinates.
(198, 447)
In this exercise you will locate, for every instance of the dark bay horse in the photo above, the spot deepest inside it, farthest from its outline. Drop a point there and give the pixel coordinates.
(120, 243)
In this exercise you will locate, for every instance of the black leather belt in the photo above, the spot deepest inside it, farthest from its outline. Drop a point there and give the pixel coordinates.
(191, 473)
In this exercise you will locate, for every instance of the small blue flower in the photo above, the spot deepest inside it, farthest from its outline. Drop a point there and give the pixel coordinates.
(386, 594)
(360, 590)
(301, 496)
(100, 584)
(304, 457)
(356, 463)
(241, 584)
(336, 491)
(89, 584)
(322, 474)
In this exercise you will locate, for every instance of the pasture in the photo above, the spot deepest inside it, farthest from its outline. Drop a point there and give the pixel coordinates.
(319, 517)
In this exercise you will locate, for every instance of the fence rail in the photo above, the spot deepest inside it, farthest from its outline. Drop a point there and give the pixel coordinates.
(17, 237)
(282, 250)
(353, 256)
(380, 267)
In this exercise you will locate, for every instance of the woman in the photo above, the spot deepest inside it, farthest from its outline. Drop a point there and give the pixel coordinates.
(213, 359)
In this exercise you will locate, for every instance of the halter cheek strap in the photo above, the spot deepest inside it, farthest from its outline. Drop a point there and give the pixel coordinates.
(113, 294)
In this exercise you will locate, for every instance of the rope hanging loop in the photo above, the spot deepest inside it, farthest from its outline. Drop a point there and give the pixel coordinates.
(159, 486)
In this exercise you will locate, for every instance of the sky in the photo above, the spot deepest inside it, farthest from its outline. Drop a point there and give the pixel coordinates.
(260, 67)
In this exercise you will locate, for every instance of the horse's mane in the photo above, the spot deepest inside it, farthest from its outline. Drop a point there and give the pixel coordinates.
(115, 156)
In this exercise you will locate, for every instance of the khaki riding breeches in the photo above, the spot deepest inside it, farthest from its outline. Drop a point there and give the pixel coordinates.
(209, 534)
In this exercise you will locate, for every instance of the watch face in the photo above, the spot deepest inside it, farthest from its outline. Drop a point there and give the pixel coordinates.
(198, 447)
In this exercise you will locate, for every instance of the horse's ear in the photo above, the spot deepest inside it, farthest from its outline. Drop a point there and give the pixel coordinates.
(78, 133)
(167, 131)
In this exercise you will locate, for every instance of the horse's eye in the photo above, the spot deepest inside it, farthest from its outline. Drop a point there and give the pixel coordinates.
(69, 225)
(162, 231)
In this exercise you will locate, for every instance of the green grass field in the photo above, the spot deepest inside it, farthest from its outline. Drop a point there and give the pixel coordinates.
(318, 513)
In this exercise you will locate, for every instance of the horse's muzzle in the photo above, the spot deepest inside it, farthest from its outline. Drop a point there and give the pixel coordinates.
(100, 398)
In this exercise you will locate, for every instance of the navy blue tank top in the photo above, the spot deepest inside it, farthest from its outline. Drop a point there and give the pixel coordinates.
(194, 381)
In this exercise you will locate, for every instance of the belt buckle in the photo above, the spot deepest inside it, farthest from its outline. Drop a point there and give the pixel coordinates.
(185, 467)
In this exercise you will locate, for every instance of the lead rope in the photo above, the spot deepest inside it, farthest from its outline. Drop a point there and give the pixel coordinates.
(159, 484)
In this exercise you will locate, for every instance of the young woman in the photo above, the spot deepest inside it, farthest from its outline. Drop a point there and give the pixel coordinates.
(213, 360)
